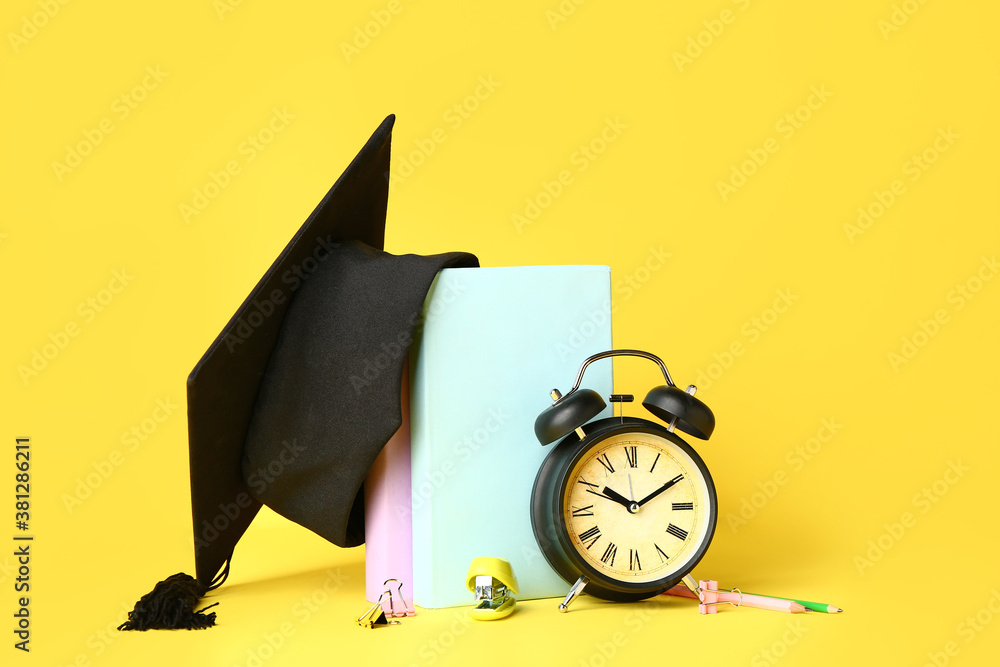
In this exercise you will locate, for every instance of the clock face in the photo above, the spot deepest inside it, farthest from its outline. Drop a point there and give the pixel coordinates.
(637, 508)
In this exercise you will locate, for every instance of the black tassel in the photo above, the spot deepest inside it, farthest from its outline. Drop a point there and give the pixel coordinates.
(171, 606)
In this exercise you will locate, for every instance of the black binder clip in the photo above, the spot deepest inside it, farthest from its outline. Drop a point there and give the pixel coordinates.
(375, 616)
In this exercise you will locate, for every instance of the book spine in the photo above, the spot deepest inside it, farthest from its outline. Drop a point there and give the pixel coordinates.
(424, 581)
(388, 526)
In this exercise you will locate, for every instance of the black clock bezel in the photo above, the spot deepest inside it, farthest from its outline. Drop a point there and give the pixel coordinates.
(548, 520)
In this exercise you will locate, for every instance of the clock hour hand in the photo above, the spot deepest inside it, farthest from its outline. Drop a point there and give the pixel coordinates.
(603, 494)
(660, 490)
(611, 494)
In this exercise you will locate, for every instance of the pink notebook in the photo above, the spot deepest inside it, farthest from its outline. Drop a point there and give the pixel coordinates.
(388, 524)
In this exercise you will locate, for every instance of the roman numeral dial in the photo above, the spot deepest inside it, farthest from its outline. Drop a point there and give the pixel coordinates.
(632, 455)
(636, 508)
(609, 554)
(590, 536)
(679, 533)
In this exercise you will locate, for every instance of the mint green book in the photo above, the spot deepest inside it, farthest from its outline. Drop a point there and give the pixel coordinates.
(491, 345)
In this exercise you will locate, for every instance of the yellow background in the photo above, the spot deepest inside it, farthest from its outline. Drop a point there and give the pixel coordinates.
(893, 78)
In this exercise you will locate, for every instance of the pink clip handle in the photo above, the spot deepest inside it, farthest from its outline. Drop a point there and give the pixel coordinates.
(709, 596)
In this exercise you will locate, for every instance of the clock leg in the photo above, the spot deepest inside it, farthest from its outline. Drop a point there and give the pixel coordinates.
(576, 589)
(692, 585)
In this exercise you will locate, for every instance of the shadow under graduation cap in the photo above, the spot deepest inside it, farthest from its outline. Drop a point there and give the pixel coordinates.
(283, 408)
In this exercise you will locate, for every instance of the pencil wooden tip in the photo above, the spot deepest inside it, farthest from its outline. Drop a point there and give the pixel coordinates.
(795, 607)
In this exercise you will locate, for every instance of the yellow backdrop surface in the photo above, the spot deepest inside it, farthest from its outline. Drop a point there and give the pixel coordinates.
(799, 205)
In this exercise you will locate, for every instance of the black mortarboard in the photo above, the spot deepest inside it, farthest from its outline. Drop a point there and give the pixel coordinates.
(295, 398)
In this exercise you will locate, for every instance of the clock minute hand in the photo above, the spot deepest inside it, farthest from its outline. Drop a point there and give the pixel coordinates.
(660, 490)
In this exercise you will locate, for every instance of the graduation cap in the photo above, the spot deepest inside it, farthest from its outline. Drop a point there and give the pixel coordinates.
(294, 399)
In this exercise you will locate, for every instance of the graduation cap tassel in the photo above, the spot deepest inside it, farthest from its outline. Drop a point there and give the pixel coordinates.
(171, 605)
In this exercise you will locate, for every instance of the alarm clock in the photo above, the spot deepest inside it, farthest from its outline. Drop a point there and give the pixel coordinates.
(622, 506)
